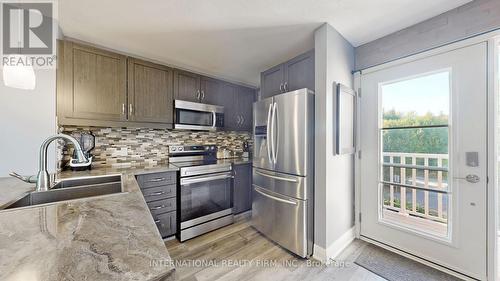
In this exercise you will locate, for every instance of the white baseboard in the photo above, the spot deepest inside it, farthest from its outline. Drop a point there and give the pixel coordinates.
(329, 254)
(319, 253)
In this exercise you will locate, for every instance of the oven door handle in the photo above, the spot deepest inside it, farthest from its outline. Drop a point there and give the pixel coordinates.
(205, 178)
(214, 122)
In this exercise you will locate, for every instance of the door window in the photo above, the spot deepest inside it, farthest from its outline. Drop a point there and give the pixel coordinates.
(414, 159)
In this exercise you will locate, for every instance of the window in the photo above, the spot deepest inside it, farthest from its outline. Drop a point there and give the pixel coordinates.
(414, 133)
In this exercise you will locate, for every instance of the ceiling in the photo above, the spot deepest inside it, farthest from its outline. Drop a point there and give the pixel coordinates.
(234, 39)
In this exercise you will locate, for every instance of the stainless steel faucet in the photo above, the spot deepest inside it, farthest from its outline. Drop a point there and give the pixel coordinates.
(43, 178)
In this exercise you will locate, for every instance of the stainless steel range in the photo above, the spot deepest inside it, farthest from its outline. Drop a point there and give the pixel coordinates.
(204, 199)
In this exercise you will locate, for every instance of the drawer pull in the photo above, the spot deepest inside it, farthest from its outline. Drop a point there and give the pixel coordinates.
(157, 221)
(158, 207)
(156, 193)
(156, 180)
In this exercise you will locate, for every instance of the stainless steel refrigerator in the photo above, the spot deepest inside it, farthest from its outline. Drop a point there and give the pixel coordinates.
(283, 170)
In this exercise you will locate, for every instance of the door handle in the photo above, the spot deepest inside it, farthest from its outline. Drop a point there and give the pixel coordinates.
(214, 116)
(202, 95)
(470, 178)
(281, 87)
(238, 120)
(260, 191)
(198, 95)
(130, 109)
(242, 120)
(285, 86)
(276, 177)
(273, 122)
(275, 139)
(268, 133)
(124, 108)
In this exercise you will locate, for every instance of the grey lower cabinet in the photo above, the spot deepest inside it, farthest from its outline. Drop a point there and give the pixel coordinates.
(292, 75)
(159, 191)
(242, 188)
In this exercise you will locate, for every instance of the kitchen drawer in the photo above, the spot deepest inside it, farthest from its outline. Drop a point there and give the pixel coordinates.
(162, 206)
(166, 223)
(157, 179)
(159, 192)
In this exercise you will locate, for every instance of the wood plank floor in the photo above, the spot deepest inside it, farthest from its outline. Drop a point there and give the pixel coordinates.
(239, 252)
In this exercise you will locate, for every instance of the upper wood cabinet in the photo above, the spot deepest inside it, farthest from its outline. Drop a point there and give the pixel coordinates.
(238, 107)
(292, 75)
(101, 88)
(246, 98)
(210, 90)
(150, 92)
(92, 83)
(187, 86)
(197, 88)
(271, 81)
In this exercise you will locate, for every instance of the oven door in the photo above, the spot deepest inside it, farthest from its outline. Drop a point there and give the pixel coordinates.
(198, 116)
(204, 198)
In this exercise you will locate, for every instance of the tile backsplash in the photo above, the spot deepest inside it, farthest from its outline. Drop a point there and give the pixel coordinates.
(131, 147)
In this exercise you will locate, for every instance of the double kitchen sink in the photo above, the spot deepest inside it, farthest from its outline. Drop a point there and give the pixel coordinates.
(70, 189)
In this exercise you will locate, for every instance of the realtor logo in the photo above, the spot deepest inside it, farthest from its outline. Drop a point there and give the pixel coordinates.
(28, 31)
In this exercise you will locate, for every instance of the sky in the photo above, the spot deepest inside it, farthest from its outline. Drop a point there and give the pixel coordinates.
(423, 94)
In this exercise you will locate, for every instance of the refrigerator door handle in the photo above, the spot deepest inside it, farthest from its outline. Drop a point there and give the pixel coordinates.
(276, 177)
(263, 193)
(268, 128)
(273, 120)
(275, 131)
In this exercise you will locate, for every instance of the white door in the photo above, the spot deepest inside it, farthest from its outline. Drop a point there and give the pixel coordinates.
(423, 166)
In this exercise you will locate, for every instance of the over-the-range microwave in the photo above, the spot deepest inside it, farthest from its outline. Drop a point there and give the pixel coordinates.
(198, 116)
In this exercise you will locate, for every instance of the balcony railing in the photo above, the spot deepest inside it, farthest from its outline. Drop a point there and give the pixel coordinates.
(416, 185)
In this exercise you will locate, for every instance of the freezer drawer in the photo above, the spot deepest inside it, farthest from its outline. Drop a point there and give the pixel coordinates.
(282, 219)
(289, 185)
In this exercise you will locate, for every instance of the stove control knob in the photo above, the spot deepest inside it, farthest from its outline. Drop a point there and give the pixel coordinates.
(173, 148)
(181, 148)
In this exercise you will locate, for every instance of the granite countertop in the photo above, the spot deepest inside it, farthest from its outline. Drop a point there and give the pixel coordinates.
(12, 189)
(110, 237)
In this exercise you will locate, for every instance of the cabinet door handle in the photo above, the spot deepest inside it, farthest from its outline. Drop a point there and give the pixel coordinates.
(242, 120)
(285, 86)
(130, 109)
(281, 87)
(202, 95)
(198, 95)
(123, 109)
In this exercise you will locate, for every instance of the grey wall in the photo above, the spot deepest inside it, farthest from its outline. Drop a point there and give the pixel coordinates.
(334, 186)
(474, 18)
